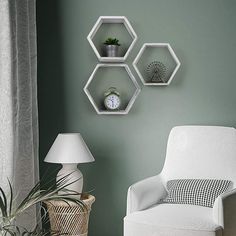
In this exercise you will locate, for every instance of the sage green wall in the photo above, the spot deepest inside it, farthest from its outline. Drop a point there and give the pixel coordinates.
(132, 147)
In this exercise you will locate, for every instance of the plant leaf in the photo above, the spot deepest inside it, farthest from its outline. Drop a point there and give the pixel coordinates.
(3, 203)
(11, 198)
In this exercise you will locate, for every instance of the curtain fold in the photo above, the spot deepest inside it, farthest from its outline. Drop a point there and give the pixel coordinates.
(18, 99)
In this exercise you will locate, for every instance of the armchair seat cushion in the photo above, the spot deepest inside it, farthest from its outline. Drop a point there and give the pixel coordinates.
(172, 220)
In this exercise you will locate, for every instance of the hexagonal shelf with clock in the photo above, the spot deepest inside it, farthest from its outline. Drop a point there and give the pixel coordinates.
(156, 64)
(106, 76)
(112, 27)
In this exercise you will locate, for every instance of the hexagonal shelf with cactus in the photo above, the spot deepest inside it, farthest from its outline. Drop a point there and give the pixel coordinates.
(106, 76)
(156, 64)
(112, 27)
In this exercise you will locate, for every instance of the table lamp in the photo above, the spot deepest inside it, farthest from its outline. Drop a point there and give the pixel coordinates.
(69, 149)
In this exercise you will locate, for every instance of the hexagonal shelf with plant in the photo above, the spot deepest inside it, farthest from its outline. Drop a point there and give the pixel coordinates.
(115, 27)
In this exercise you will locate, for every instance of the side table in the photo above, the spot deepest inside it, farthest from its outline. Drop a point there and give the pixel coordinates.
(70, 218)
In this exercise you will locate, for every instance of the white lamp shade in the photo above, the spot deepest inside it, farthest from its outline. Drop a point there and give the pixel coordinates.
(69, 148)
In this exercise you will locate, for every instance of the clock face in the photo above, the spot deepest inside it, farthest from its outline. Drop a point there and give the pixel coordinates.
(112, 102)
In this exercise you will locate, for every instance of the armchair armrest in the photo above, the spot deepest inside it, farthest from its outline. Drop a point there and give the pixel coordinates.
(145, 193)
(224, 212)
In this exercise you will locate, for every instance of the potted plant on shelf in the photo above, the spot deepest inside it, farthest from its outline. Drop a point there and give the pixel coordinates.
(40, 193)
(111, 47)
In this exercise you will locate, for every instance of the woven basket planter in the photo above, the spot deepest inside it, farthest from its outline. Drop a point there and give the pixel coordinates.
(70, 219)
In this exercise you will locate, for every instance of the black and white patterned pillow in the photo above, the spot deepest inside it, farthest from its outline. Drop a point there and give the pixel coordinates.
(201, 192)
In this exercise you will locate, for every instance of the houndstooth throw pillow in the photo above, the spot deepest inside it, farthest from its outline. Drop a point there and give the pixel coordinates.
(201, 192)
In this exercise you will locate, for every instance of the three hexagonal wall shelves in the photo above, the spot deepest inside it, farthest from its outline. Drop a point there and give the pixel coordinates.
(156, 64)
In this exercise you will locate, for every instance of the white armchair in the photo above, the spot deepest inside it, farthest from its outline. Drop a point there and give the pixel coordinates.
(193, 152)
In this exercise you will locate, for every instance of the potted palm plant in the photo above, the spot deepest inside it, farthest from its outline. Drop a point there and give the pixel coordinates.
(111, 47)
(38, 194)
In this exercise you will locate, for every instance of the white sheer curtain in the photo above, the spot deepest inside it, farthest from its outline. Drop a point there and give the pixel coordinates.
(18, 98)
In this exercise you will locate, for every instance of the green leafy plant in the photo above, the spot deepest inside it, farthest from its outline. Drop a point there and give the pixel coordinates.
(40, 193)
(112, 41)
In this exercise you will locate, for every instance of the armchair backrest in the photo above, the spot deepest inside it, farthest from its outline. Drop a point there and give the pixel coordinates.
(203, 152)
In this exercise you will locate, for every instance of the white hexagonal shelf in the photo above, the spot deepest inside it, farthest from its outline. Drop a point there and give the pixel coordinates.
(160, 52)
(112, 75)
(115, 25)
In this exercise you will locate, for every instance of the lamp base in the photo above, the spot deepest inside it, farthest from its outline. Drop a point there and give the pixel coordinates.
(73, 175)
